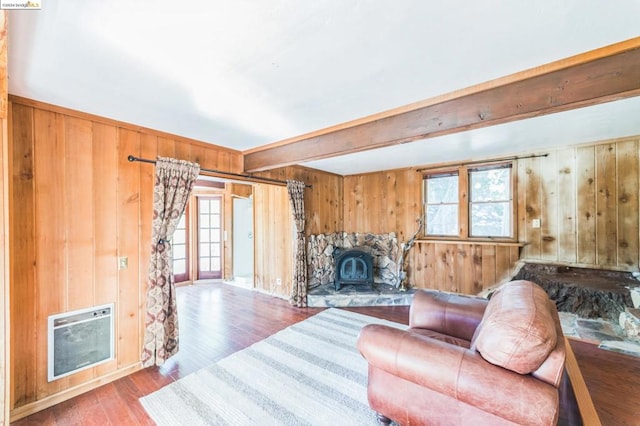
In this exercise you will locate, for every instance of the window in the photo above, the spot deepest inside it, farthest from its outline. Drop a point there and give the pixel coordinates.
(442, 204)
(490, 210)
(487, 212)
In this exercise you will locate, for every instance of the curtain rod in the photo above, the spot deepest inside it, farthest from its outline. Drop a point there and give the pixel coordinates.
(218, 172)
(497, 160)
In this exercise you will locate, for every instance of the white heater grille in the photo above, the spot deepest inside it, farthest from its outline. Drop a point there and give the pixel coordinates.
(79, 340)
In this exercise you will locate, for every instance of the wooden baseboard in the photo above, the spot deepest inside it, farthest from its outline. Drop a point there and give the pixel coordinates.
(585, 404)
(33, 407)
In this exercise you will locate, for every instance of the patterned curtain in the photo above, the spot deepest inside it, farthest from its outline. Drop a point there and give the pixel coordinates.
(299, 290)
(174, 182)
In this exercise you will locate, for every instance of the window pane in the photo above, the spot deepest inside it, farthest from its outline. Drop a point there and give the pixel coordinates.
(215, 249)
(491, 219)
(179, 266)
(215, 206)
(204, 264)
(179, 251)
(442, 219)
(204, 235)
(215, 235)
(215, 264)
(215, 221)
(204, 250)
(204, 221)
(204, 206)
(182, 222)
(179, 237)
(442, 189)
(490, 185)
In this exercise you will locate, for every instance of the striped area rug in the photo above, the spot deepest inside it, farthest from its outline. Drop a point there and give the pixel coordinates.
(310, 373)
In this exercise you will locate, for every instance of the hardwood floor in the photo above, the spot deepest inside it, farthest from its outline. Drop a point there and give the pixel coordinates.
(217, 320)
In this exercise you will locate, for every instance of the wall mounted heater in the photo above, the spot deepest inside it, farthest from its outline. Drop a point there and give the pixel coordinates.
(79, 340)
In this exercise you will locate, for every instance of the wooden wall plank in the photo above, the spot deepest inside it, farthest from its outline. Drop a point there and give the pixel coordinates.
(549, 206)
(606, 205)
(5, 266)
(79, 221)
(464, 267)
(211, 160)
(488, 266)
(105, 229)
(23, 311)
(167, 147)
(532, 207)
(224, 161)
(198, 154)
(627, 201)
(586, 204)
(79, 213)
(4, 75)
(183, 151)
(521, 178)
(148, 149)
(5, 346)
(129, 297)
(503, 263)
(566, 205)
(50, 234)
(477, 283)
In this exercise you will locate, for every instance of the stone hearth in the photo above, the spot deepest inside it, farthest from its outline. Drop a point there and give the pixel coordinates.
(325, 296)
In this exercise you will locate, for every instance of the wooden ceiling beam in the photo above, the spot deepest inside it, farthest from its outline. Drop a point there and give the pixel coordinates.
(602, 75)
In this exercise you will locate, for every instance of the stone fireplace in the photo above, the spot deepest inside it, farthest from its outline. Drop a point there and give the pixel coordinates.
(326, 270)
(383, 248)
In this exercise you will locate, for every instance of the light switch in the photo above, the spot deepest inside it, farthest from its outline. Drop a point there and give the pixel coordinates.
(535, 223)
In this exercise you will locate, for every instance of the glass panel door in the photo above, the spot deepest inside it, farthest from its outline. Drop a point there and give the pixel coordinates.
(180, 245)
(209, 237)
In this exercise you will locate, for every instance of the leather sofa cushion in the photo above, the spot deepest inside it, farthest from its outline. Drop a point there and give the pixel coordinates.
(452, 340)
(517, 330)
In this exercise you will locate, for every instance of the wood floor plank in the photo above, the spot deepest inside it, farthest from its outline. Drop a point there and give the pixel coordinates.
(217, 320)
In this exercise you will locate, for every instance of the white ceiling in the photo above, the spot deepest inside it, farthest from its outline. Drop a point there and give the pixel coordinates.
(245, 73)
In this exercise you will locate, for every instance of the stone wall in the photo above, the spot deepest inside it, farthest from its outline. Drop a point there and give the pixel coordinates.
(384, 249)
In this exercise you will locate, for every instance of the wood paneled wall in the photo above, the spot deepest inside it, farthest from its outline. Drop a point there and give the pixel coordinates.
(391, 201)
(273, 236)
(586, 198)
(382, 202)
(274, 226)
(77, 204)
(4, 228)
(5, 318)
(467, 268)
(324, 206)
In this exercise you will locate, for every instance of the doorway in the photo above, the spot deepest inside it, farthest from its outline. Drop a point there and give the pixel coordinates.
(209, 247)
(242, 237)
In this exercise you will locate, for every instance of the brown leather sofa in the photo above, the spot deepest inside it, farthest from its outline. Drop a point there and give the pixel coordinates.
(468, 361)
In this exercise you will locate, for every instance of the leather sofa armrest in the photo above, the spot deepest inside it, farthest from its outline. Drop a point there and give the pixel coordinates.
(459, 373)
(447, 313)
